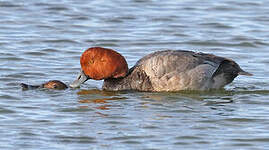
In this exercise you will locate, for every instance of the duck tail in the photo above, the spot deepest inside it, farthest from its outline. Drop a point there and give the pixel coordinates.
(28, 87)
(244, 73)
(24, 86)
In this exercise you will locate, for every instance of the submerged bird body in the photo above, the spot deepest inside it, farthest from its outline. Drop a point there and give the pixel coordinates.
(175, 70)
(53, 84)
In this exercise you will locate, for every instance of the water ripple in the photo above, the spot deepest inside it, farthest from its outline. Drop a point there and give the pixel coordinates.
(43, 40)
(73, 139)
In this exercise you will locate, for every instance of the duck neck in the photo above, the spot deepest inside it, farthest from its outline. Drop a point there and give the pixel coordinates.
(136, 79)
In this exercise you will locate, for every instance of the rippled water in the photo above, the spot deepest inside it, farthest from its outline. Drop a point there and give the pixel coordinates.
(43, 40)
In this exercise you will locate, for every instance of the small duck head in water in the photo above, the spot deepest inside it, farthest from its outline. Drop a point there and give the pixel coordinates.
(52, 84)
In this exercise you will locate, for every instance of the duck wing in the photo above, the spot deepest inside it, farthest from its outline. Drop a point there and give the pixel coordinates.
(162, 62)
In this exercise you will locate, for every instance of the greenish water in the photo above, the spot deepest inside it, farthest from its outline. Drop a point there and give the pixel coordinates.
(43, 40)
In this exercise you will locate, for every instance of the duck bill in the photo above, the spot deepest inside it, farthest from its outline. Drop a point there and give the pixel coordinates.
(80, 80)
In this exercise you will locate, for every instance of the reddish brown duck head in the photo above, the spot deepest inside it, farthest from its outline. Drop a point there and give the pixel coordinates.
(100, 63)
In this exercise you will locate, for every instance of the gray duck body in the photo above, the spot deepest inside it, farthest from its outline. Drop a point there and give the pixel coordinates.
(175, 70)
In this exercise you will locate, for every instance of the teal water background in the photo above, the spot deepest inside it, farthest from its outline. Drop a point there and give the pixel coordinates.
(43, 40)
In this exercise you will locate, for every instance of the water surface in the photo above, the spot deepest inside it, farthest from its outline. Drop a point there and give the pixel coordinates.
(43, 40)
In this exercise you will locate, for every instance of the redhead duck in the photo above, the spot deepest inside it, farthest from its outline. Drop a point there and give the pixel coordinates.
(169, 70)
(53, 84)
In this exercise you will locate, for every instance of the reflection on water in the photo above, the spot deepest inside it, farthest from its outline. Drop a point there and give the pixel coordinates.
(98, 92)
(94, 93)
(102, 100)
(43, 40)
